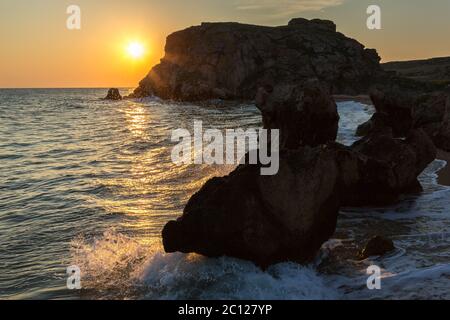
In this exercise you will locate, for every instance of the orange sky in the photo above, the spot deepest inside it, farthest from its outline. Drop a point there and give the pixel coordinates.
(37, 50)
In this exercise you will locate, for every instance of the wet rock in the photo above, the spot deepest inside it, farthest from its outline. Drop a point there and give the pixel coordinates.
(264, 219)
(404, 111)
(432, 114)
(113, 94)
(377, 246)
(288, 216)
(392, 167)
(232, 60)
(305, 114)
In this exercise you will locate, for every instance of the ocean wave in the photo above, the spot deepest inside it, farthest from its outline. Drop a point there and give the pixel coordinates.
(117, 264)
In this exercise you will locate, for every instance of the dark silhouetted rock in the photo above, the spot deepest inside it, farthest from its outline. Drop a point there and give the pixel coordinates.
(377, 246)
(432, 114)
(232, 60)
(264, 219)
(113, 94)
(305, 114)
(392, 167)
(288, 216)
(404, 111)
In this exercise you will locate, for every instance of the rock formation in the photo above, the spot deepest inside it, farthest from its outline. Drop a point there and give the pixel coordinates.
(264, 219)
(288, 216)
(232, 60)
(405, 110)
(113, 94)
(305, 114)
(386, 168)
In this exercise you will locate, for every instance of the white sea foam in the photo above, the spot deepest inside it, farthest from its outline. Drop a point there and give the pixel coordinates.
(116, 266)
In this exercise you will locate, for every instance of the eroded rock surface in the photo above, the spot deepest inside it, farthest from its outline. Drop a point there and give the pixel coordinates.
(404, 111)
(305, 114)
(232, 60)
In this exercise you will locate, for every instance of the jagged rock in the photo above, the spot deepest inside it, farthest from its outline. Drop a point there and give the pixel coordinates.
(264, 219)
(392, 168)
(377, 246)
(397, 105)
(113, 94)
(432, 114)
(288, 216)
(404, 111)
(305, 114)
(232, 60)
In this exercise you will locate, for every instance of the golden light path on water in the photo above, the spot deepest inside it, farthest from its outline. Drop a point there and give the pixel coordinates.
(91, 183)
(145, 195)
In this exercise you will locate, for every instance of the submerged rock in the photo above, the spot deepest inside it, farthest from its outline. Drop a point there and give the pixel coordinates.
(305, 114)
(232, 60)
(377, 246)
(113, 94)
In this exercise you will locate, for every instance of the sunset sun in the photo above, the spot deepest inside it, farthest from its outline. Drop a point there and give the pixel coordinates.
(135, 50)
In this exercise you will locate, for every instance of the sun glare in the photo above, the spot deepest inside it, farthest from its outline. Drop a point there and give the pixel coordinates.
(135, 50)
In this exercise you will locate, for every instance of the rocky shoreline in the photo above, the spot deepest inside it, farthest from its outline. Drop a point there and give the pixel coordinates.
(295, 74)
(288, 216)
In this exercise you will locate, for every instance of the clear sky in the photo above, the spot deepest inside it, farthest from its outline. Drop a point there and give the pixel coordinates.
(37, 50)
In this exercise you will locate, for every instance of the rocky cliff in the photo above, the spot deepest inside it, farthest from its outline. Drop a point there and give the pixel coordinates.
(232, 60)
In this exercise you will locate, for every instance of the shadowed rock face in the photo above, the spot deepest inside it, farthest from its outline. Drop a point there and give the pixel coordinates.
(386, 168)
(232, 60)
(305, 114)
(288, 216)
(403, 111)
(265, 219)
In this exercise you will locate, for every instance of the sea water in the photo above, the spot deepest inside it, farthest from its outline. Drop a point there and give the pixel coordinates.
(90, 183)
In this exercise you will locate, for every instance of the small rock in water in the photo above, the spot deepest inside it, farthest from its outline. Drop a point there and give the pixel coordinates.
(113, 94)
(377, 246)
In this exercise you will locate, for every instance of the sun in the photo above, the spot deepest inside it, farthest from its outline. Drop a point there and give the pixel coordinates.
(135, 50)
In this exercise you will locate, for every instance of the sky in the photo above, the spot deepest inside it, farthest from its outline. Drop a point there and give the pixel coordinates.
(38, 51)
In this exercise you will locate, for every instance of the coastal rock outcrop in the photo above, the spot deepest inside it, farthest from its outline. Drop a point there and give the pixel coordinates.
(404, 111)
(232, 60)
(305, 114)
(113, 94)
(386, 168)
(264, 219)
(288, 216)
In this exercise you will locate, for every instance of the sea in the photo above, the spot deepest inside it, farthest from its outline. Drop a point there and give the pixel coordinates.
(90, 183)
